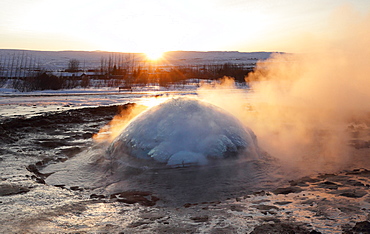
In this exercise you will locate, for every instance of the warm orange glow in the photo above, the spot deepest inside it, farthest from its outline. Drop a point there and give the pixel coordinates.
(155, 100)
(154, 55)
(110, 131)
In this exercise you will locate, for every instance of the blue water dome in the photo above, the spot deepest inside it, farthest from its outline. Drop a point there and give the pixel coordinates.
(183, 132)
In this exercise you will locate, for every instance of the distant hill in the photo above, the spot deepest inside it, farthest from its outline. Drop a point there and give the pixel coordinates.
(58, 60)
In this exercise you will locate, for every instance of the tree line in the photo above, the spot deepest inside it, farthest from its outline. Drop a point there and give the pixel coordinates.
(27, 74)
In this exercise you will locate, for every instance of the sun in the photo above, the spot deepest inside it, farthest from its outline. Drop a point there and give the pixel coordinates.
(154, 55)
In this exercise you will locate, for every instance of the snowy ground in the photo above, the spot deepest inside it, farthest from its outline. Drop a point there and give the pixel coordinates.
(51, 128)
(15, 103)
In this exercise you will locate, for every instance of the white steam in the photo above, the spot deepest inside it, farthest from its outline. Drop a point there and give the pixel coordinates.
(301, 104)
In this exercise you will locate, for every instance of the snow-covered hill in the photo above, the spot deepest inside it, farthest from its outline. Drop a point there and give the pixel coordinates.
(58, 60)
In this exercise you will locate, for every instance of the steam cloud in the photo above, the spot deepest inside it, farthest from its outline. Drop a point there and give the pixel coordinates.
(110, 131)
(302, 103)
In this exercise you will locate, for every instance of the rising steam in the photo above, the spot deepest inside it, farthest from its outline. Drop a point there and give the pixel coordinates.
(302, 103)
(110, 131)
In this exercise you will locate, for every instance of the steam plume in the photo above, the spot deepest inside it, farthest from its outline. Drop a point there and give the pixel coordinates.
(302, 103)
(110, 131)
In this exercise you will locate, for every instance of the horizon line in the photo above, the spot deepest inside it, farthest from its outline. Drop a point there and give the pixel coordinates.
(105, 51)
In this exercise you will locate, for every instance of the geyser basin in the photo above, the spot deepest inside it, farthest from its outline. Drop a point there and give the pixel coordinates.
(182, 132)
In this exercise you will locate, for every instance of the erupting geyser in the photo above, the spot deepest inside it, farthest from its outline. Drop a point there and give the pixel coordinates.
(184, 131)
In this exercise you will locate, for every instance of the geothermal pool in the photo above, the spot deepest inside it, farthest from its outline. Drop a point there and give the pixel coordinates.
(56, 178)
(174, 149)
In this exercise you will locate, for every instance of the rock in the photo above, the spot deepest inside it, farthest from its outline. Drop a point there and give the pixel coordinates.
(354, 194)
(87, 135)
(237, 208)
(303, 181)
(360, 227)
(261, 193)
(95, 196)
(38, 179)
(7, 189)
(187, 205)
(315, 232)
(358, 183)
(132, 197)
(137, 224)
(329, 185)
(279, 228)
(75, 188)
(355, 183)
(282, 203)
(261, 201)
(270, 219)
(266, 207)
(39, 164)
(33, 168)
(200, 219)
(360, 172)
(325, 176)
(310, 202)
(154, 217)
(287, 190)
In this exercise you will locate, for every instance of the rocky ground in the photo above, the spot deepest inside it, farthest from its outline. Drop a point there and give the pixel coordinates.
(322, 203)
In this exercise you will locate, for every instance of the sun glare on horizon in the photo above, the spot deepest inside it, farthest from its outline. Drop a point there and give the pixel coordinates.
(154, 55)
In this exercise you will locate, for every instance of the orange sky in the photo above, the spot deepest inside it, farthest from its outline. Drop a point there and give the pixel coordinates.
(164, 25)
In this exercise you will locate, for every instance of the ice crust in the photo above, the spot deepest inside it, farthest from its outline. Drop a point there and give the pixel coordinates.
(184, 131)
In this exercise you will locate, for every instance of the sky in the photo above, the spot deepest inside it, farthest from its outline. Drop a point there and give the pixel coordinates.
(167, 25)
